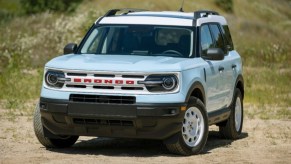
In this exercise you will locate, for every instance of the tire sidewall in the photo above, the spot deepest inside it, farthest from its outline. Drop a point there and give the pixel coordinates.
(236, 95)
(194, 102)
(47, 142)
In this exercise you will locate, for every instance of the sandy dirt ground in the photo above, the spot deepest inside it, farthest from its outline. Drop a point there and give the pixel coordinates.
(263, 141)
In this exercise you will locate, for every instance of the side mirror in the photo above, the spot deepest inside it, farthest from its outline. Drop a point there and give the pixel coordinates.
(214, 54)
(70, 48)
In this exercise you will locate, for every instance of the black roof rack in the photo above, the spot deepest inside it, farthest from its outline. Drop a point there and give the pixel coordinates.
(124, 11)
(204, 13)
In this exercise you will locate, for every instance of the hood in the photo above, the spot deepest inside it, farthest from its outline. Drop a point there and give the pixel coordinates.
(121, 63)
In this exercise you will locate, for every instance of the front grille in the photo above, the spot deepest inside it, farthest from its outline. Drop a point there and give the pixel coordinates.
(76, 86)
(131, 88)
(104, 75)
(102, 99)
(106, 82)
(76, 74)
(82, 121)
(103, 87)
(133, 76)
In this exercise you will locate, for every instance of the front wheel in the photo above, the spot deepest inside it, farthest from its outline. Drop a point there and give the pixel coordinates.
(232, 128)
(194, 130)
(65, 141)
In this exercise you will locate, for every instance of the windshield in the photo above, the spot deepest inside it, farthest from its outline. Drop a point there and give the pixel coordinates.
(139, 40)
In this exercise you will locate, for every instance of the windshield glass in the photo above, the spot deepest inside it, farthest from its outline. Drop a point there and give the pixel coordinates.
(140, 40)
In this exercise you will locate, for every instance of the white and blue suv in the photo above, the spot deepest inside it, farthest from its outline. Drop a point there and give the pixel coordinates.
(142, 74)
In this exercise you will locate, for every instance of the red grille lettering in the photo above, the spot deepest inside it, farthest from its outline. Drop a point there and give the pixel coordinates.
(118, 82)
(77, 80)
(87, 80)
(104, 81)
(129, 82)
(108, 81)
(97, 81)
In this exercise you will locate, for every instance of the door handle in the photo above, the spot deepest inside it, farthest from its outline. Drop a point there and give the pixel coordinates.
(220, 69)
(233, 66)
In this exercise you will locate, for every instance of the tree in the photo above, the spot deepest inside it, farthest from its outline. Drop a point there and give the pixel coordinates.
(226, 5)
(36, 6)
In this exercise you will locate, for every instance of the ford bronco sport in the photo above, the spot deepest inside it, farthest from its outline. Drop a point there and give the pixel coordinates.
(142, 74)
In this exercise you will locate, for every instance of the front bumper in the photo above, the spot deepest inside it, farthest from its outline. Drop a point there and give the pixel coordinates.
(147, 121)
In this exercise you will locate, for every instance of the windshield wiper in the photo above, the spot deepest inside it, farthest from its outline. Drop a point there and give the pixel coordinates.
(139, 52)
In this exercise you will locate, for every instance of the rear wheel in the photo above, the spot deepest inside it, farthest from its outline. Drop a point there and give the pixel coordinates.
(64, 141)
(232, 128)
(194, 130)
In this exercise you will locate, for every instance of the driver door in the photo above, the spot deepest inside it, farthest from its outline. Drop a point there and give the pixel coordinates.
(213, 70)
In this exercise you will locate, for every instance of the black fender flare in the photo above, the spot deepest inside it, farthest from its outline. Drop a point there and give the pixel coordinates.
(196, 85)
(240, 79)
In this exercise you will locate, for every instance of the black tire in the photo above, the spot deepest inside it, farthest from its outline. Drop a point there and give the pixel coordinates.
(228, 128)
(181, 147)
(48, 142)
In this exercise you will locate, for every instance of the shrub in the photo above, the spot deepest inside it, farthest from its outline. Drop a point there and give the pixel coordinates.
(36, 6)
(226, 5)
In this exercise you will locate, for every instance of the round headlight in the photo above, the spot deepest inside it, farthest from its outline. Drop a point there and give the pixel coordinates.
(52, 79)
(169, 83)
(55, 78)
(160, 83)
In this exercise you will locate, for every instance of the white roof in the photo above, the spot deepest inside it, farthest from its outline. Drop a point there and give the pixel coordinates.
(161, 18)
(211, 18)
(165, 13)
(146, 20)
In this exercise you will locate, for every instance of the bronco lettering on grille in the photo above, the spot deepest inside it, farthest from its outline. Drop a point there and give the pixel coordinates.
(103, 81)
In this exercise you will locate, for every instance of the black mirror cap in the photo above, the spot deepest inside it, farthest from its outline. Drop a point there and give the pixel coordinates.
(70, 48)
(214, 54)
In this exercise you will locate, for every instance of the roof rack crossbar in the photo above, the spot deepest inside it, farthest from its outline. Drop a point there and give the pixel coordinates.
(124, 11)
(204, 13)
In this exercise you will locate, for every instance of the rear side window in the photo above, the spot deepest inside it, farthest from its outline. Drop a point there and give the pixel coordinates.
(218, 37)
(229, 42)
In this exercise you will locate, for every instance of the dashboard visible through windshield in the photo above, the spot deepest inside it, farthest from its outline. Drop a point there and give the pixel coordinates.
(139, 40)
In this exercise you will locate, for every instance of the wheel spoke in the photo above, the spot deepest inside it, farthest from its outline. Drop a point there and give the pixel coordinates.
(238, 114)
(192, 129)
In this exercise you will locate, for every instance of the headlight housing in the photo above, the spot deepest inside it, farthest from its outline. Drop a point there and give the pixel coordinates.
(160, 83)
(55, 79)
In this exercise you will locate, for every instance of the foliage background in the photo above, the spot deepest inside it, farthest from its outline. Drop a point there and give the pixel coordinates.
(31, 35)
(37, 6)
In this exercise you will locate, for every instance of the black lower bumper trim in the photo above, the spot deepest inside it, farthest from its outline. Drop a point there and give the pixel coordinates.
(149, 121)
(83, 121)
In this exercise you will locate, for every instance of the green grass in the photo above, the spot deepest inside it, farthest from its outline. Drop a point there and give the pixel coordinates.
(260, 30)
(20, 89)
(268, 91)
(268, 85)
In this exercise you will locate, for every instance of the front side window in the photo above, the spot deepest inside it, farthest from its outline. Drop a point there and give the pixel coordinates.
(206, 39)
(139, 40)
